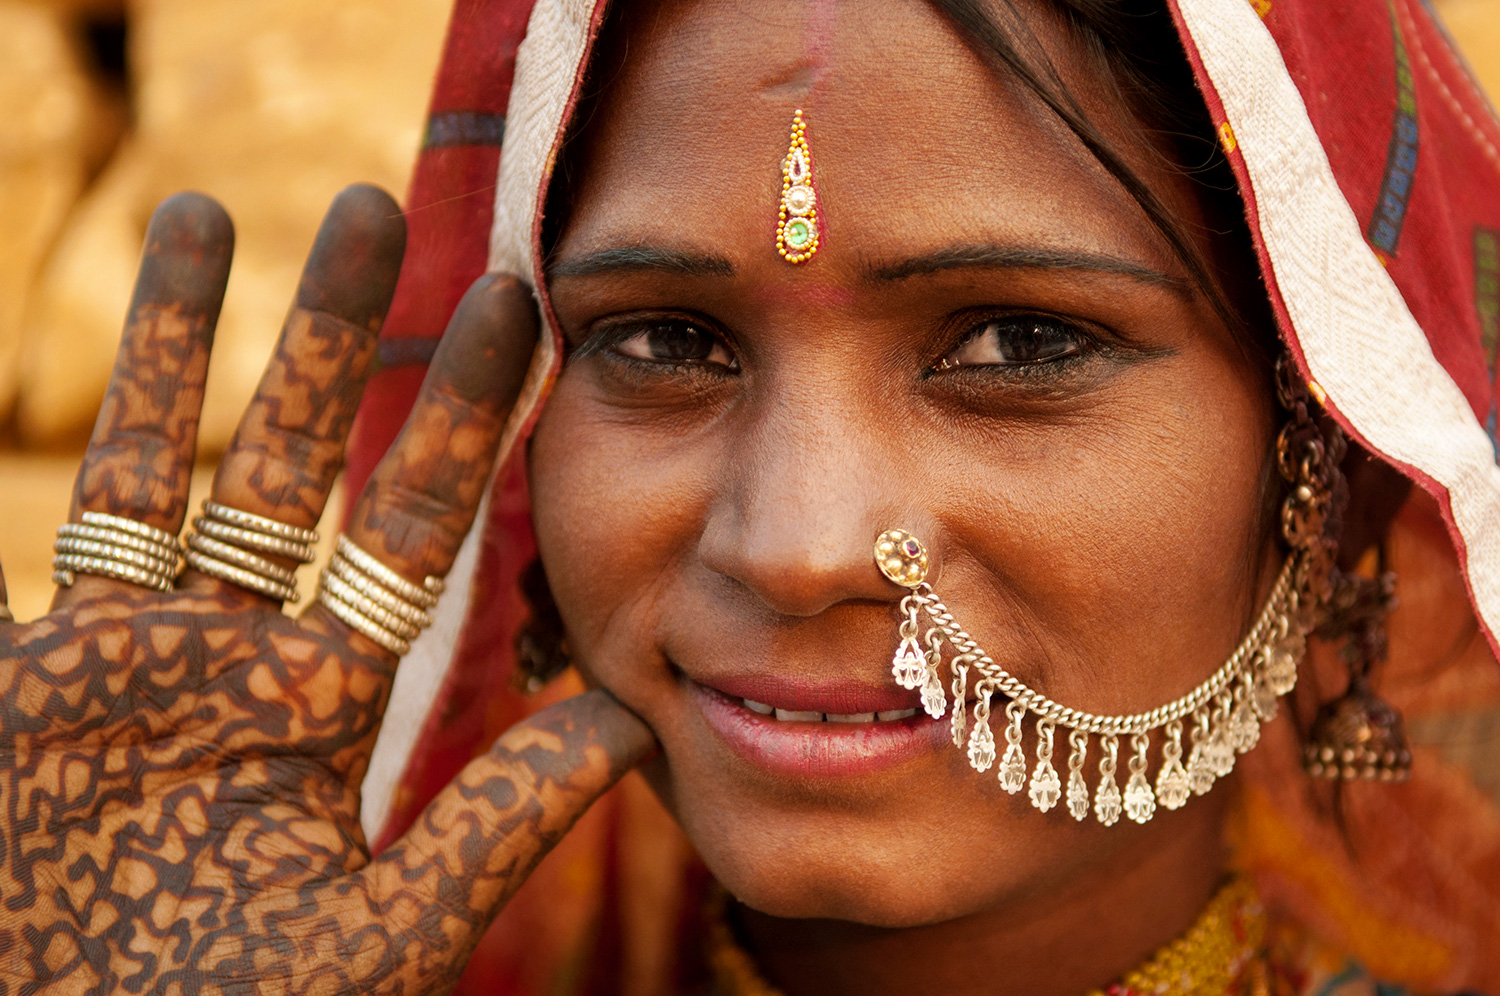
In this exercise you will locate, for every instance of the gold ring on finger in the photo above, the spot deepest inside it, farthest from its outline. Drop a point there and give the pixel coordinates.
(227, 543)
(362, 623)
(102, 534)
(115, 547)
(111, 551)
(216, 568)
(239, 536)
(426, 596)
(258, 523)
(373, 599)
(125, 525)
(350, 575)
(66, 566)
(241, 558)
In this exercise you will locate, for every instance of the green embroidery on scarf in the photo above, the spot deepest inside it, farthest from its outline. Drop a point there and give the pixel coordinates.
(1401, 156)
(1487, 289)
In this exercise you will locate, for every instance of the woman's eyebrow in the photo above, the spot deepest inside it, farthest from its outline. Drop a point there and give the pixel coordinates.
(682, 262)
(988, 256)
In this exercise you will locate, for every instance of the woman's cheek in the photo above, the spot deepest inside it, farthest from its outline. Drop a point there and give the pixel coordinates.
(614, 519)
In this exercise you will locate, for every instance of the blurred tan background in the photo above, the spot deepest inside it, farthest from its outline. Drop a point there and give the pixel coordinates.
(271, 106)
(108, 106)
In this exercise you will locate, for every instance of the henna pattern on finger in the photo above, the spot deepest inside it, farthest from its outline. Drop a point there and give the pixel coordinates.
(421, 499)
(484, 834)
(136, 465)
(140, 456)
(289, 446)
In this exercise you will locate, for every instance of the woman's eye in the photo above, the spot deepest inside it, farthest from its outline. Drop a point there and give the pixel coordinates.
(675, 342)
(1025, 340)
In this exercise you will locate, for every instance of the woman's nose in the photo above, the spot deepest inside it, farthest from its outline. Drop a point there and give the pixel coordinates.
(802, 502)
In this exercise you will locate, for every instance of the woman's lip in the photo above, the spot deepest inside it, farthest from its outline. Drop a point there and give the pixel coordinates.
(841, 699)
(817, 750)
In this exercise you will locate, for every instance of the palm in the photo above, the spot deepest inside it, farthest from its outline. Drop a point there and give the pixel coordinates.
(180, 771)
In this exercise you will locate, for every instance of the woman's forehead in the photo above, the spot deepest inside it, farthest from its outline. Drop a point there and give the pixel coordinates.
(917, 143)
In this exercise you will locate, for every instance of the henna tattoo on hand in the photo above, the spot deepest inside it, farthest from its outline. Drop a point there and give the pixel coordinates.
(180, 772)
(181, 815)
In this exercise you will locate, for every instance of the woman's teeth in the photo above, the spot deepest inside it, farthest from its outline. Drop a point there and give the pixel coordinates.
(788, 716)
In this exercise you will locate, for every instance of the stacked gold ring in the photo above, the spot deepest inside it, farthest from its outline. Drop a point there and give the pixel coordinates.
(115, 547)
(375, 600)
(230, 544)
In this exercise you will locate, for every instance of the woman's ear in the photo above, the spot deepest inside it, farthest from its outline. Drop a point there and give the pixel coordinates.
(1376, 493)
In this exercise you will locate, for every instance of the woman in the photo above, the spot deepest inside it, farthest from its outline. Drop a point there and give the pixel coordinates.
(884, 341)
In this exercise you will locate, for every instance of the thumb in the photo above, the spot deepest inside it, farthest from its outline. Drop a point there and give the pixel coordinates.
(473, 846)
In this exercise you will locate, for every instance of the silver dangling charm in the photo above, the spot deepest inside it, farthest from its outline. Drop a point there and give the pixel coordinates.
(1220, 750)
(1266, 702)
(1107, 798)
(1200, 772)
(1013, 765)
(981, 738)
(933, 700)
(1078, 788)
(1172, 786)
(909, 666)
(1140, 802)
(960, 692)
(1244, 725)
(1046, 787)
(1280, 666)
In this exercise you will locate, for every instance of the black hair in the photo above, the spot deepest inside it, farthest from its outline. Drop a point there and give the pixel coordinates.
(1136, 44)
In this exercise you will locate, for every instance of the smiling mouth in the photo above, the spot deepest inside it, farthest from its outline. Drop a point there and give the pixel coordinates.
(798, 735)
(790, 716)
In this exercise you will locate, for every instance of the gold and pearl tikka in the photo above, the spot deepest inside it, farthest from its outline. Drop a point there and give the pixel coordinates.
(1225, 711)
(797, 230)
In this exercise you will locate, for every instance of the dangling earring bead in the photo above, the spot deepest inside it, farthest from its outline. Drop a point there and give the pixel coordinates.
(1078, 788)
(1172, 785)
(1013, 765)
(1359, 735)
(1046, 787)
(797, 229)
(1107, 799)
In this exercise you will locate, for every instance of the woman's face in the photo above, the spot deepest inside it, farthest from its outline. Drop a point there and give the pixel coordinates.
(993, 349)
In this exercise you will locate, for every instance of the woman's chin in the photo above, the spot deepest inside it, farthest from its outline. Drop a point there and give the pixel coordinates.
(917, 866)
(841, 893)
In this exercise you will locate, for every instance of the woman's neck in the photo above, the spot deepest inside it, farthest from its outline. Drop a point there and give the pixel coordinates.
(1061, 943)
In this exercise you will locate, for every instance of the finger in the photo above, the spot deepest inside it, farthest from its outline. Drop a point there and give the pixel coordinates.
(289, 446)
(140, 458)
(477, 842)
(420, 502)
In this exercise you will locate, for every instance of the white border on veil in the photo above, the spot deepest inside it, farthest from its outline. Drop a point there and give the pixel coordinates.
(1361, 342)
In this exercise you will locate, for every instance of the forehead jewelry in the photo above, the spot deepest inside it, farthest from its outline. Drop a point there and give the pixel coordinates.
(797, 222)
(1222, 717)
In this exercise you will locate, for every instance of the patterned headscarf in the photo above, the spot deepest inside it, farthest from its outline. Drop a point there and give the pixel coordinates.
(1367, 161)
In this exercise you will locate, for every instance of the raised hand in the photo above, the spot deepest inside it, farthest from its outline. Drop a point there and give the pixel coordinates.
(180, 771)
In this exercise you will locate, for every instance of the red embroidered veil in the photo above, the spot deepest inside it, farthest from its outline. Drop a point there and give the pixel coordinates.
(1367, 159)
